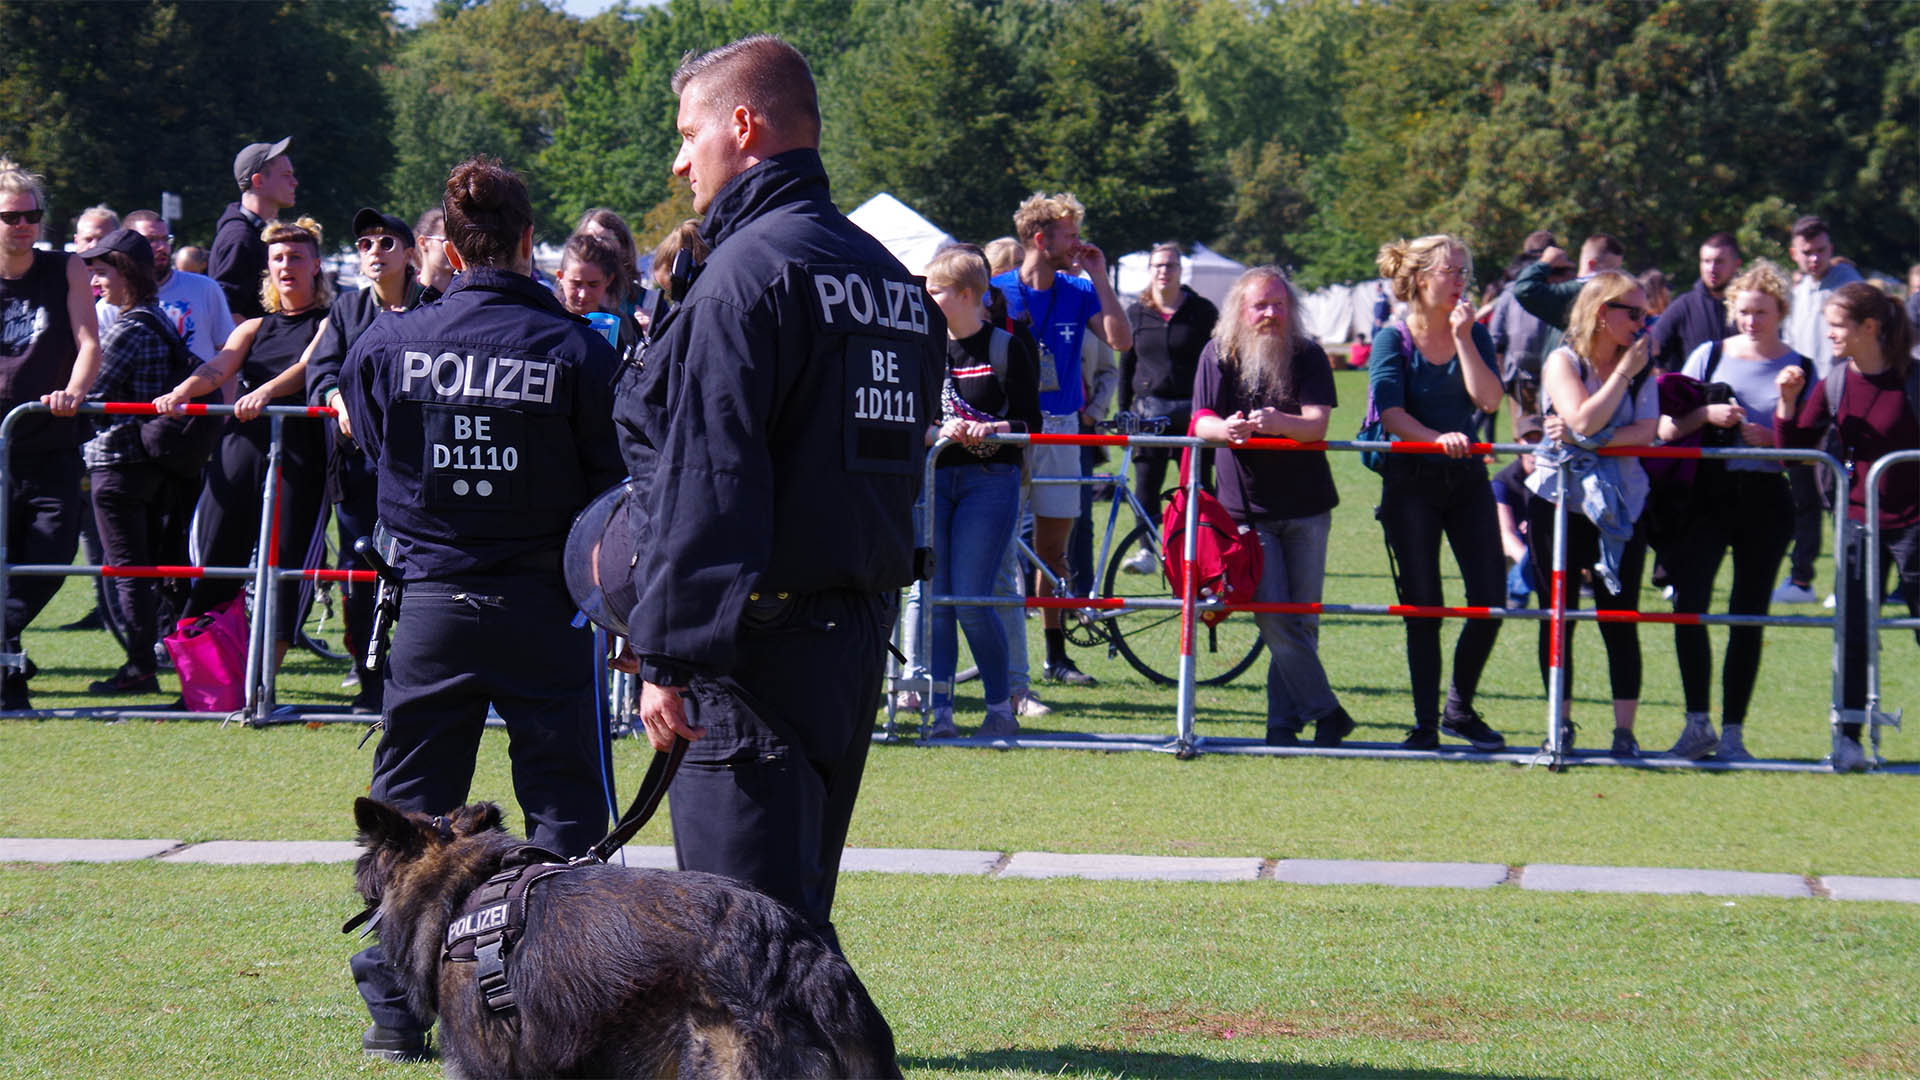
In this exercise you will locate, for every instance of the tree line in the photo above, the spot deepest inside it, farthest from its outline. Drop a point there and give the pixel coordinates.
(1302, 132)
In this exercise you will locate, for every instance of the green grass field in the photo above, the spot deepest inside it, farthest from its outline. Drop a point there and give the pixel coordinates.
(160, 970)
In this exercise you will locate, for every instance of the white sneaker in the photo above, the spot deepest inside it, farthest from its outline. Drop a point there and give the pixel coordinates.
(943, 726)
(1697, 739)
(1028, 704)
(1732, 748)
(1791, 593)
(1828, 602)
(1142, 562)
(1848, 755)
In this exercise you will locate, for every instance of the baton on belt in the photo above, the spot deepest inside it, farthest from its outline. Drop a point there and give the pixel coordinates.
(386, 601)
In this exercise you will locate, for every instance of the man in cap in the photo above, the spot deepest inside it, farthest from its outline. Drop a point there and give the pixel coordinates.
(267, 185)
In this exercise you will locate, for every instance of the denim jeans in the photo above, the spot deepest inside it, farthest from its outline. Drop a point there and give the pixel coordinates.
(1295, 555)
(1011, 583)
(975, 508)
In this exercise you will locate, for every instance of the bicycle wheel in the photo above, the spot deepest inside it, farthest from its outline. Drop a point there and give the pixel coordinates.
(1150, 639)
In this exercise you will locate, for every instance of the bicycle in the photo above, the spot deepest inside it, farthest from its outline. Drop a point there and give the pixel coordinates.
(1149, 638)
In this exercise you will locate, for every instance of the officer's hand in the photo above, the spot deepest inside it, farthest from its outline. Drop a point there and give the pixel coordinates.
(665, 715)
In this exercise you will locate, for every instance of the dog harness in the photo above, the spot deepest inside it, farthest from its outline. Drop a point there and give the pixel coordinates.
(494, 919)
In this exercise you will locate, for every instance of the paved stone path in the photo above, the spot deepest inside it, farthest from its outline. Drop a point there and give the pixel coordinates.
(1542, 877)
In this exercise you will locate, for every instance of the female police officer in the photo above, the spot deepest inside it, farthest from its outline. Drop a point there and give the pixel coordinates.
(488, 419)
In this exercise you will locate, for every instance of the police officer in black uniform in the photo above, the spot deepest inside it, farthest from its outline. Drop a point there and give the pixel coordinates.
(487, 417)
(775, 435)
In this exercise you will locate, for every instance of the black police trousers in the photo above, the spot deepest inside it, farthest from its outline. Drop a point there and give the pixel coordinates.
(765, 796)
(461, 644)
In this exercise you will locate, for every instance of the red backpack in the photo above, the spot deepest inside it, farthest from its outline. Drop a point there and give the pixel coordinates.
(1226, 554)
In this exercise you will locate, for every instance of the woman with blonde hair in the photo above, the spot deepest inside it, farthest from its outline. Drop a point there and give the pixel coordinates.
(1742, 506)
(265, 354)
(991, 387)
(1431, 377)
(1594, 393)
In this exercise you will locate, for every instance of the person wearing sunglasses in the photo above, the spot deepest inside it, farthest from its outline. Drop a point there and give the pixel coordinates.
(387, 252)
(49, 352)
(1594, 393)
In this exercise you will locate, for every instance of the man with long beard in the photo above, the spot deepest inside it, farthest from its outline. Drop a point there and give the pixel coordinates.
(1261, 375)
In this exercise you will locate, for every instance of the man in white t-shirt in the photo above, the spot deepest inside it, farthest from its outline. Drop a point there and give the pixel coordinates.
(194, 302)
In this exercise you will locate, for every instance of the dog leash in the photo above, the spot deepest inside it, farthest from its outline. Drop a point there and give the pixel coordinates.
(653, 788)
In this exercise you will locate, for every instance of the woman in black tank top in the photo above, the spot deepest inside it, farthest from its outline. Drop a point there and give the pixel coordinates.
(267, 355)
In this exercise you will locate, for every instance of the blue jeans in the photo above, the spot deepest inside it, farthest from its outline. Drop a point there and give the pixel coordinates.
(1294, 552)
(974, 511)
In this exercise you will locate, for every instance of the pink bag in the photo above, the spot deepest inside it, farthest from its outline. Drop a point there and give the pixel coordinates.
(210, 655)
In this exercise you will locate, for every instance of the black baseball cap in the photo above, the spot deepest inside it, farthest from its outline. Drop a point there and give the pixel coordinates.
(254, 158)
(126, 242)
(367, 219)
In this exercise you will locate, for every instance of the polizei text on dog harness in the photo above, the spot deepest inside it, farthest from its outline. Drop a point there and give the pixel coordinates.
(492, 922)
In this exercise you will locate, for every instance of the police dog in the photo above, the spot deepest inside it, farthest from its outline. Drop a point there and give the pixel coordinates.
(622, 972)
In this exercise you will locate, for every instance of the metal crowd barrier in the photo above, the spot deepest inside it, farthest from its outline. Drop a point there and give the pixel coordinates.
(1874, 575)
(264, 571)
(1186, 744)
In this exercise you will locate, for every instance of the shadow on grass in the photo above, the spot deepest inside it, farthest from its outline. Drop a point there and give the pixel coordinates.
(1079, 1060)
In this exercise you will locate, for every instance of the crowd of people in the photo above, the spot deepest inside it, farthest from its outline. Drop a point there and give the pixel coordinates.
(253, 322)
(767, 390)
(1581, 354)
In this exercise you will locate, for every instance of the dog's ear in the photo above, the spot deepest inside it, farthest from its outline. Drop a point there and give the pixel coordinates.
(478, 818)
(381, 825)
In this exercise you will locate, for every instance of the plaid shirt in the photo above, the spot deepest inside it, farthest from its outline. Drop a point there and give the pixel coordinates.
(136, 364)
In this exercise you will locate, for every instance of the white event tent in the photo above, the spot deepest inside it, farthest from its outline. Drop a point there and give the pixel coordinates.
(901, 230)
(1205, 271)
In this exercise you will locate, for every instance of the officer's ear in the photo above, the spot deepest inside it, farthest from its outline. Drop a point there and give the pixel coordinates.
(454, 260)
(526, 247)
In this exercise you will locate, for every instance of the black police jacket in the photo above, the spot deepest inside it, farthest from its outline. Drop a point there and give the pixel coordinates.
(775, 428)
(488, 418)
(348, 317)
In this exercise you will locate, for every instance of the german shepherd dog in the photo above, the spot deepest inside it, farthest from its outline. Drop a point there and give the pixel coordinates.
(621, 972)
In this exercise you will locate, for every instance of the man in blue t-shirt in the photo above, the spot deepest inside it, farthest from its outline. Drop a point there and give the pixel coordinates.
(1060, 308)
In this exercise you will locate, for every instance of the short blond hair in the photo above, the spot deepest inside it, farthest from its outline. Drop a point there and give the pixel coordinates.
(1761, 277)
(1042, 211)
(304, 231)
(1004, 254)
(1583, 324)
(959, 266)
(16, 180)
(1401, 261)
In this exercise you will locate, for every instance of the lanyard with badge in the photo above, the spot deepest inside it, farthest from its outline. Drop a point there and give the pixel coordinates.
(1049, 371)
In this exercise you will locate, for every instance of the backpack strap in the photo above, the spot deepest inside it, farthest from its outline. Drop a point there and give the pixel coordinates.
(1714, 352)
(183, 360)
(997, 353)
(1836, 387)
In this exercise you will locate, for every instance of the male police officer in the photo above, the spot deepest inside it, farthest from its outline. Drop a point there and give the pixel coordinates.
(487, 417)
(776, 436)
